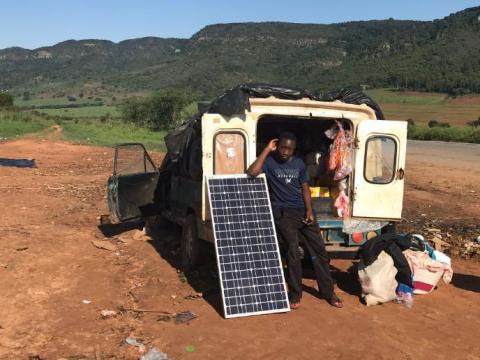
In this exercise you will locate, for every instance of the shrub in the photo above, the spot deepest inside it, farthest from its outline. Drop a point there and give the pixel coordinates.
(456, 134)
(435, 123)
(411, 122)
(158, 112)
(474, 123)
(6, 99)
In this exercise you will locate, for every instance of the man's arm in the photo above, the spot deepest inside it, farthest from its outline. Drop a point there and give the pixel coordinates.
(307, 199)
(256, 168)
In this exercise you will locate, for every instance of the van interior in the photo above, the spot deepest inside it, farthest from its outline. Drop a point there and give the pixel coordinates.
(313, 148)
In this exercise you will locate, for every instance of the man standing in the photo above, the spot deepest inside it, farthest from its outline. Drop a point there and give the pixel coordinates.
(292, 210)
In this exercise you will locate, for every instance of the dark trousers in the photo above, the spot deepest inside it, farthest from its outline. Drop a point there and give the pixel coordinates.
(288, 223)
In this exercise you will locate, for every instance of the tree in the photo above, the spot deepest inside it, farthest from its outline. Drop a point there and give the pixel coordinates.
(6, 99)
(158, 112)
(26, 96)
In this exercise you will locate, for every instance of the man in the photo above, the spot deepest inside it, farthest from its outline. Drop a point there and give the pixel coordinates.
(292, 210)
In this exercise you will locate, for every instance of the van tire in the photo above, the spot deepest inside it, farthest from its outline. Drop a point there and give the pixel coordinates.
(190, 246)
(154, 224)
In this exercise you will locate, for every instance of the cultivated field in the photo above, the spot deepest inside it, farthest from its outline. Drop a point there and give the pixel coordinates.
(423, 107)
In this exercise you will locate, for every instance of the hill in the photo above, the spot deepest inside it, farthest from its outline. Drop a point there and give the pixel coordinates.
(440, 55)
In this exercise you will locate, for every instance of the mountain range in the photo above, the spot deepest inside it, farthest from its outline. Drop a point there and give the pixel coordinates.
(441, 55)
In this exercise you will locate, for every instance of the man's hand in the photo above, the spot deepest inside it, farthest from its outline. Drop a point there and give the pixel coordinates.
(272, 145)
(256, 168)
(309, 218)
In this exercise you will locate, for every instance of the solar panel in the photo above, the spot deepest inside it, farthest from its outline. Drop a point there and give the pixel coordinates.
(248, 258)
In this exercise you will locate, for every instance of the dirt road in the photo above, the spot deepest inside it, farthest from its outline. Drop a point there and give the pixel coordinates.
(55, 282)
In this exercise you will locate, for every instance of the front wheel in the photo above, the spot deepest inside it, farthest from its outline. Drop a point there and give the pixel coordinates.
(190, 247)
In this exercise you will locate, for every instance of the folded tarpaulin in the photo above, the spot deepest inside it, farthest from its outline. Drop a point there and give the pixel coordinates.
(22, 163)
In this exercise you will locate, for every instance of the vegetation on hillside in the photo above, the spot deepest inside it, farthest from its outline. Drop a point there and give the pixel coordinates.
(6, 100)
(440, 55)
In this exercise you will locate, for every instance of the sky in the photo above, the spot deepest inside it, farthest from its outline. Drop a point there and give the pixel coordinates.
(35, 23)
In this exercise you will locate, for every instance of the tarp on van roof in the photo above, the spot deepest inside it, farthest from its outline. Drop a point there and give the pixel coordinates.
(236, 100)
(184, 143)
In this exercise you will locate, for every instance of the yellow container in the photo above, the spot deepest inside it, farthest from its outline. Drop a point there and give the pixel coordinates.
(315, 192)
(319, 191)
(324, 192)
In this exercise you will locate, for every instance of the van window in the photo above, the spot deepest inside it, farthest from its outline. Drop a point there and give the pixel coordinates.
(380, 157)
(132, 159)
(229, 153)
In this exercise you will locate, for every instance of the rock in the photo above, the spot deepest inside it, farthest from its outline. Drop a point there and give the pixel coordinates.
(193, 296)
(184, 317)
(104, 245)
(439, 243)
(21, 247)
(433, 230)
(108, 314)
(134, 342)
(140, 236)
(155, 354)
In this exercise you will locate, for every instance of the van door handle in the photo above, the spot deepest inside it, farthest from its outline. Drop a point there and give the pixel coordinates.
(400, 174)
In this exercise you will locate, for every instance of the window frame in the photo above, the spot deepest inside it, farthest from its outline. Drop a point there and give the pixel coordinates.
(395, 155)
(235, 132)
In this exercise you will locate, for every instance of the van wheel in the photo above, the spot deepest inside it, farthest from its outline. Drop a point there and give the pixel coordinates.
(155, 223)
(190, 244)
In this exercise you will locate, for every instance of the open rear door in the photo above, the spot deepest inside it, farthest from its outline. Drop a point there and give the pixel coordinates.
(133, 182)
(379, 169)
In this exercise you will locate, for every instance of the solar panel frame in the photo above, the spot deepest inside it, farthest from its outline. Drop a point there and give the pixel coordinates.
(277, 259)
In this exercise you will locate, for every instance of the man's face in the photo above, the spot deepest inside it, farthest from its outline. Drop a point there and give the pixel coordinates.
(286, 149)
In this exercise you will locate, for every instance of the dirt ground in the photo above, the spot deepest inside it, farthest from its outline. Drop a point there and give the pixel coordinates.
(55, 282)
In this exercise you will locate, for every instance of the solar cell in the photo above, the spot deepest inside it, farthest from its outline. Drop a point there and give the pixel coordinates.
(251, 274)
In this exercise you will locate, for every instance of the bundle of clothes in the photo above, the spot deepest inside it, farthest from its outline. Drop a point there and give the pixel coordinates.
(394, 267)
(340, 161)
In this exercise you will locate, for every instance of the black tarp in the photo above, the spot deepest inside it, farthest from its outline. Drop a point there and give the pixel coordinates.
(21, 163)
(184, 143)
(236, 100)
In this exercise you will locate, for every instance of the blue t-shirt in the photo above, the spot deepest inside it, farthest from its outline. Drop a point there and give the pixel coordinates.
(285, 181)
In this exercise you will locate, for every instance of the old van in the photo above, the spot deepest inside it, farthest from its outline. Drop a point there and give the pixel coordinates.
(227, 136)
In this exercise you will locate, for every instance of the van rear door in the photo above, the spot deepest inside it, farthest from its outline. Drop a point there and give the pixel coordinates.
(378, 180)
(132, 184)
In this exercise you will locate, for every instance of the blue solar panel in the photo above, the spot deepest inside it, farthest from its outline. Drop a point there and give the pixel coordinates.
(251, 274)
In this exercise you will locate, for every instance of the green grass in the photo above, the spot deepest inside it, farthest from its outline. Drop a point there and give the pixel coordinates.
(455, 134)
(51, 101)
(90, 112)
(16, 123)
(111, 133)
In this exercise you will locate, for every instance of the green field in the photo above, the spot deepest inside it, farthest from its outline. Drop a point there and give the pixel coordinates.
(101, 125)
(16, 123)
(90, 112)
(111, 133)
